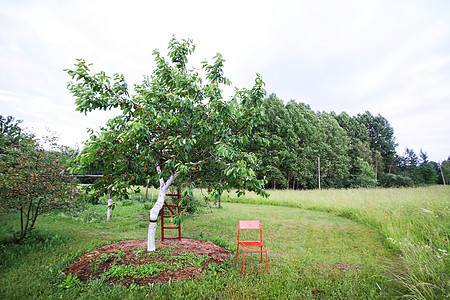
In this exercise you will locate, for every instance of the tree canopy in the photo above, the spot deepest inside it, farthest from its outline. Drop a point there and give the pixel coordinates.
(175, 121)
(176, 127)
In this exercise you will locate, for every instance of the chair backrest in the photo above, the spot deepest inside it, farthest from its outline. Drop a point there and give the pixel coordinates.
(249, 224)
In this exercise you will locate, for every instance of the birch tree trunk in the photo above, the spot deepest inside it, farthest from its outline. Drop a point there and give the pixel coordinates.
(154, 212)
(108, 211)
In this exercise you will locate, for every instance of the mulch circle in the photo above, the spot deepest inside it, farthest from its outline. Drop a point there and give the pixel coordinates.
(85, 272)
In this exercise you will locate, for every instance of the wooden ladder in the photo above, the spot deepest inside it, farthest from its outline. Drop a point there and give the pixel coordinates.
(172, 209)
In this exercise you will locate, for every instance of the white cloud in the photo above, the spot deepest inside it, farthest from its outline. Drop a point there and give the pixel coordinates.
(388, 57)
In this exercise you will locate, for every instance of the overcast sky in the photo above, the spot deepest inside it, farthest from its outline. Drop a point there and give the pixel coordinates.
(387, 57)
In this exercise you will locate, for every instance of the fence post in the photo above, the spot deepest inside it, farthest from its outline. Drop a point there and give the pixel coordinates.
(442, 173)
(318, 160)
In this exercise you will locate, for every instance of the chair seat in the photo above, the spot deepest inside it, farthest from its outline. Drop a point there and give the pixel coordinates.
(251, 244)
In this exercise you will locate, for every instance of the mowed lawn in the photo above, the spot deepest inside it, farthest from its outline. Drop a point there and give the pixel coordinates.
(311, 255)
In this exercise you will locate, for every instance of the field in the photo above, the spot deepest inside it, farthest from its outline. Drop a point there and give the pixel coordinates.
(340, 244)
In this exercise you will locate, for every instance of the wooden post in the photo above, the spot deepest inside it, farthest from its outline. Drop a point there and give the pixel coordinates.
(318, 160)
(442, 173)
(376, 169)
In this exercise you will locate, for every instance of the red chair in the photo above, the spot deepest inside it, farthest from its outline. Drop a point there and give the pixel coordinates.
(251, 225)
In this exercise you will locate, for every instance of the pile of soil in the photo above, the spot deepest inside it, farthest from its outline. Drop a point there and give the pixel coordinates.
(85, 271)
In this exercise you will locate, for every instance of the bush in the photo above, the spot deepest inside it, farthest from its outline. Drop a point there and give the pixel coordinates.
(392, 180)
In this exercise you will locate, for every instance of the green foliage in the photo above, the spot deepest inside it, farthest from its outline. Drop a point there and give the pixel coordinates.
(10, 134)
(381, 136)
(297, 136)
(70, 282)
(176, 124)
(110, 265)
(354, 151)
(222, 243)
(332, 150)
(392, 180)
(418, 169)
(364, 174)
(32, 179)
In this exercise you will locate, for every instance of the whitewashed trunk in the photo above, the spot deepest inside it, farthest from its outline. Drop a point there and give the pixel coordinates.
(108, 211)
(154, 212)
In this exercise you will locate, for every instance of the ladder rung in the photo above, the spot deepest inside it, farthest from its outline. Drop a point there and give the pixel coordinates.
(172, 195)
(172, 237)
(171, 227)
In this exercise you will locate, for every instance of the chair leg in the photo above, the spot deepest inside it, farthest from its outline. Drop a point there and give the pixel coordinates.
(243, 259)
(261, 253)
(267, 261)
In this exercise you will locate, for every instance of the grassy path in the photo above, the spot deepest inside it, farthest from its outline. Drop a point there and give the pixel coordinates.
(311, 253)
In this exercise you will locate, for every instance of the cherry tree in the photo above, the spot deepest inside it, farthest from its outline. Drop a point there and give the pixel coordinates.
(175, 127)
(32, 179)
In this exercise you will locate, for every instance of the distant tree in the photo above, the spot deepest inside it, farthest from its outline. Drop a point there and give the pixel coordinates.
(176, 127)
(427, 169)
(297, 137)
(306, 130)
(10, 133)
(410, 158)
(32, 179)
(366, 176)
(358, 149)
(408, 164)
(333, 151)
(381, 136)
(275, 155)
(418, 168)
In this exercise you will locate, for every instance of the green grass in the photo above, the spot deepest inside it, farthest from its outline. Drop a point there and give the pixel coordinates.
(415, 221)
(322, 244)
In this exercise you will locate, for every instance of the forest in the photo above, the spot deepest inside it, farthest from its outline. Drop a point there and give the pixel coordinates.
(352, 151)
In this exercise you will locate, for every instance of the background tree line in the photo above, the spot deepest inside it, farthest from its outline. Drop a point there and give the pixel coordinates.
(354, 151)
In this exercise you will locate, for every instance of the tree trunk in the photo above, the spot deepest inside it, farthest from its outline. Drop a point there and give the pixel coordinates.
(288, 178)
(27, 220)
(146, 190)
(21, 218)
(36, 212)
(154, 212)
(108, 211)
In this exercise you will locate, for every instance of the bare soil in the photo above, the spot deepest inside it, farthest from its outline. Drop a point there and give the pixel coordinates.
(90, 268)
